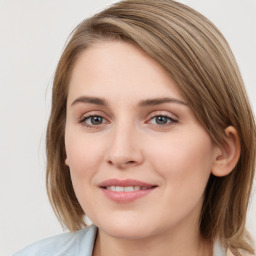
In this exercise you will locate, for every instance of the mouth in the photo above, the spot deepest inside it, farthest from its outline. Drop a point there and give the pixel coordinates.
(126, 189)
(123, 191)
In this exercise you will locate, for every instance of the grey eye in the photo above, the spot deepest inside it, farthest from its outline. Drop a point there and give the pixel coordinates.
(161, 120)
(95, 120)
(92, 121)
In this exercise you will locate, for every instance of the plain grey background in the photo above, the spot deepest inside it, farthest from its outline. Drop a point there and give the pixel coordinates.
(32, 37)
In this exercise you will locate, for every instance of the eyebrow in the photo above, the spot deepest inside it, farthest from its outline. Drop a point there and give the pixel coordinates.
(92, 100)
(143, 103)
(159, 101)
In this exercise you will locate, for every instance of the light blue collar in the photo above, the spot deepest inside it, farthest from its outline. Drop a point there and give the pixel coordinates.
(218, 249)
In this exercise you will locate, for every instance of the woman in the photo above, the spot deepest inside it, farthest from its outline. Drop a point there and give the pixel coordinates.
(151, 135)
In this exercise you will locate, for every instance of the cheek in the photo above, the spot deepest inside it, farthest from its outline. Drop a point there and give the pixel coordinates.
(185, 166)
(83, 155)
(183, 160)
(84, 158)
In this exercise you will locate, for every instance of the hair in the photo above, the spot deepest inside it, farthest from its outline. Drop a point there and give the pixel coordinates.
(198, 58)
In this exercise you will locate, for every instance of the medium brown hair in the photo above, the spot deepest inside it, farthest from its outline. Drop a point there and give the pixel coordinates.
(198, 58)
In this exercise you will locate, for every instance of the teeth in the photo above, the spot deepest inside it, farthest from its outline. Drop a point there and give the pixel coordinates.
(125, 189)
(128, 189)
(119, 189)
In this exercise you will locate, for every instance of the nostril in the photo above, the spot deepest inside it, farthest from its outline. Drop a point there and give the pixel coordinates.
(109, 162)
(122, 160)
(130, 162)
(121, 164)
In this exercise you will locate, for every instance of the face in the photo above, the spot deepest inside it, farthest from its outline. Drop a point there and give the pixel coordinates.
(139, 160)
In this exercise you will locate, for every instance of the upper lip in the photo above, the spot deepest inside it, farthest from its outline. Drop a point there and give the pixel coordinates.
(125, 183)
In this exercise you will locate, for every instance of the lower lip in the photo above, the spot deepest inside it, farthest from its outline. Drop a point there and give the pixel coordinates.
(126, 197)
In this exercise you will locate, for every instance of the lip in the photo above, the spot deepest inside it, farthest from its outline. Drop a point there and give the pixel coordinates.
(125, 197)
(125, 183)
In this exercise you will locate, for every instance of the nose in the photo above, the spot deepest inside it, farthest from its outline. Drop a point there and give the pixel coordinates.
(125, 148)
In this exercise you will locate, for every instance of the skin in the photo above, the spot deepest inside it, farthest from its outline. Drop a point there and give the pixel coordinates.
(129, 142)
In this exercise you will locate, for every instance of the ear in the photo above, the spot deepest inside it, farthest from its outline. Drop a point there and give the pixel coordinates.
(227, 156)
(66, 162)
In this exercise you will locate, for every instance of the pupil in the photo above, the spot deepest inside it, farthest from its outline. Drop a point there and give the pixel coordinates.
(96, 120)
(161, 120)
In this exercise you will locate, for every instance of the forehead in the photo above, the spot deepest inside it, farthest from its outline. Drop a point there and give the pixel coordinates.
(119, 69)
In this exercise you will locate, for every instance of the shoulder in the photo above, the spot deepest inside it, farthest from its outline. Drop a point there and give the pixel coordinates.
(229, 253)
(76, 243)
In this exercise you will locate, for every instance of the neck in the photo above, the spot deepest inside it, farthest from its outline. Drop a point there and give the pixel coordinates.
(178, 244)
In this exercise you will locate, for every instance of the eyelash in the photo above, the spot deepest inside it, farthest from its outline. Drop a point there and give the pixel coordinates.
(84, 118)
(169, 119)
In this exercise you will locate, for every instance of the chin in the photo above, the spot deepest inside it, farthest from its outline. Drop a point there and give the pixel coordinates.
(128, 232)
(124, 228)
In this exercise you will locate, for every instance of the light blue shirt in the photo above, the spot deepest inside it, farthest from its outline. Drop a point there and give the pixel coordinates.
(79, 243)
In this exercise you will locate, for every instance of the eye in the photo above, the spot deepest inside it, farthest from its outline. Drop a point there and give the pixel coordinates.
(92, 120)
(162, 120)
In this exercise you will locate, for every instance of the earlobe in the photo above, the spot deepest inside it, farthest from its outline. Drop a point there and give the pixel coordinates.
(228, 154)
(66, 162)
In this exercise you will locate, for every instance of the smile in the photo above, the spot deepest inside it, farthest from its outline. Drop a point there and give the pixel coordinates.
(126, 189)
